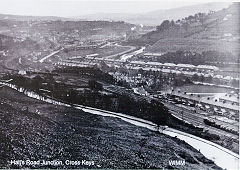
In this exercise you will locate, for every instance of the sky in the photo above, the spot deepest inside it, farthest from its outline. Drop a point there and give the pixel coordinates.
(70, 8)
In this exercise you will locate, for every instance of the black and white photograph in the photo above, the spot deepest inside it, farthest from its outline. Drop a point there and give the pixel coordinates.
(119, 84)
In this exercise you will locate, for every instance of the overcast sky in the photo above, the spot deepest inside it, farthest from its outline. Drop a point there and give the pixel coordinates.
(67, 8)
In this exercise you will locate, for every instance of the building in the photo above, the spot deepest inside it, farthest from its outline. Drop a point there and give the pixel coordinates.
(22, 72)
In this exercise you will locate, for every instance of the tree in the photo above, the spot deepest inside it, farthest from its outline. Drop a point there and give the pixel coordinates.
(94, 85)
(235, 83)
(190, 17)
(1, 46)
(165, 25)
(36, 82)
(172, 23)
(186, 26)
(65, 50)
(195, 77)
(201, 17)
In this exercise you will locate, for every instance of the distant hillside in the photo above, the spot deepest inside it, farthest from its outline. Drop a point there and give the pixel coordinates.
(156, 17)
(50, 34)
(218, 31)
(28, 36)
(18, 47)
(28, 18)
(5, 42)
(83, 28)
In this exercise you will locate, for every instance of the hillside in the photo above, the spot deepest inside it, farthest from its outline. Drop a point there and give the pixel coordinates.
(83, 28)
(154, 18)
(8, 43)
(49, 35)
(34, 130)
(29, 18)
(198, 32)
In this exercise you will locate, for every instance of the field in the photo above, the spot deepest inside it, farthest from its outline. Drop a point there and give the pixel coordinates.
(203, 89)
(195, 45)
(102, 52)
(228, 73)
(231, 67)
(229, 70)
(72, 79)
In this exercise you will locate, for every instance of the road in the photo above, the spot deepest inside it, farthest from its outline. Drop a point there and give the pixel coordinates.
(5, 81)
(124, 57)
(20, 60)
(50, 55)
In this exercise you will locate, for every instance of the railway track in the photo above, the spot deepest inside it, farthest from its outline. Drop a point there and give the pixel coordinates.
(198, 121)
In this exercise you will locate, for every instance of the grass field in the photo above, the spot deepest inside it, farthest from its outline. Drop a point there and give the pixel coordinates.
(203, 89)
(228, 73)
(195, 45)
(103, 52)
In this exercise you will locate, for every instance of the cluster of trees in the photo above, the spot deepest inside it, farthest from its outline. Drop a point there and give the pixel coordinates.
(154, 80)
(1, 44)
(202, 78)
(188, 57)
(197, 17)
(161, 79)
(210, 79)
(166, 24)
(94, 85)
(93, 72)
(124, 103)
(31, 84)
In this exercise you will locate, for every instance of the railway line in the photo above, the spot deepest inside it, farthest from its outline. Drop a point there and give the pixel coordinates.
(189, 116)
(198, 121)
(196, 115)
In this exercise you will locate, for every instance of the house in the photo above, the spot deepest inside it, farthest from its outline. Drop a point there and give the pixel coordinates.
(22, 72)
